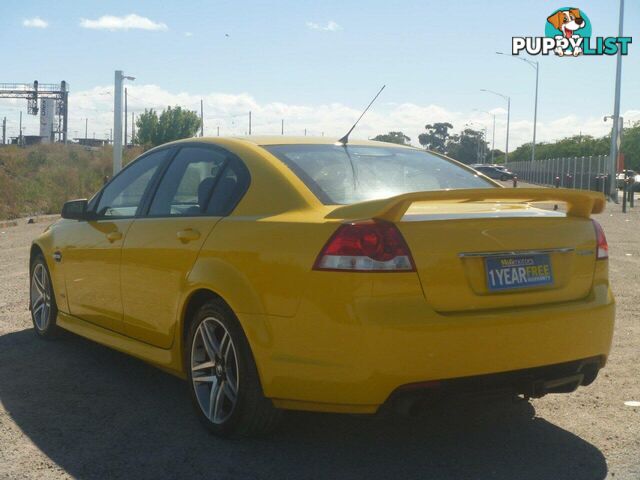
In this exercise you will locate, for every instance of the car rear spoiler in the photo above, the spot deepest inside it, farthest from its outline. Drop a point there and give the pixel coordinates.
(580, 203)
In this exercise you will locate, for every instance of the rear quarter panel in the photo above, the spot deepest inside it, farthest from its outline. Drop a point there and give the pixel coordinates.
(260, 268)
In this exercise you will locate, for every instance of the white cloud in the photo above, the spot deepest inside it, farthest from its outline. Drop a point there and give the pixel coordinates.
(330, 26)
(230, 112)
(127, 22)
(35, 22)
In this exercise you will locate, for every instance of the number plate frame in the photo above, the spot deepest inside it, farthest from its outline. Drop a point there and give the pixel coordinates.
(517, 272)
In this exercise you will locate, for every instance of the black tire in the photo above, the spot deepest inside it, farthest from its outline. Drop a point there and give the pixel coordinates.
(252, 414)
(42, 301)
(503, 178)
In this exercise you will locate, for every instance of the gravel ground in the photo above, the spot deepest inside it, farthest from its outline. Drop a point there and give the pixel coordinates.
(73, 409)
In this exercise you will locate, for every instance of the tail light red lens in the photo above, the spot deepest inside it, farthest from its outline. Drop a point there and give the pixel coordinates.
(368, 246)
(602, 247)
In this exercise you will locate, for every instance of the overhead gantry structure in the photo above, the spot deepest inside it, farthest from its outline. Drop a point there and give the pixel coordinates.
(36, 91)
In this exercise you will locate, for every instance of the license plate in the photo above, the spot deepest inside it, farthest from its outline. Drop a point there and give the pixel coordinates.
(518, 271)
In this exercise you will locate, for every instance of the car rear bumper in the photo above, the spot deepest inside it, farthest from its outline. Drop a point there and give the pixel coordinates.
(352, 356)
(530, 382)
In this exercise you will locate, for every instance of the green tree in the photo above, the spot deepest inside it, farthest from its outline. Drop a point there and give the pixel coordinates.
(172, 124)
(147, 128)
(575, 146)
(631, 147)
(436, 137)
(393, 137)
(467, 147)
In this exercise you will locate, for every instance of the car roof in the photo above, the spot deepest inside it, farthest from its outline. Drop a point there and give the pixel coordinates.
(260, 140)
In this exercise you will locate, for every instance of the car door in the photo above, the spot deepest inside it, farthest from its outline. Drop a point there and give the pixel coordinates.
(91, 255)
(199, 187)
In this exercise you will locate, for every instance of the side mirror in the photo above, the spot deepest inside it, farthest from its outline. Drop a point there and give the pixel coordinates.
(75, 209)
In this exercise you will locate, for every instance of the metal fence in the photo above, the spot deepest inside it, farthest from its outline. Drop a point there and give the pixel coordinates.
(586, 173)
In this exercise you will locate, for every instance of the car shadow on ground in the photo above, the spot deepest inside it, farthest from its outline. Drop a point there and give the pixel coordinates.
(101, 414)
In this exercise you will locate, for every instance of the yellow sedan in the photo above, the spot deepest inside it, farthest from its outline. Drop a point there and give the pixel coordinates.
(300, 273)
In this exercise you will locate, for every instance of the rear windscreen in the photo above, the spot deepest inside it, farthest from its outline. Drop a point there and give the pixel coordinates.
(343, 175)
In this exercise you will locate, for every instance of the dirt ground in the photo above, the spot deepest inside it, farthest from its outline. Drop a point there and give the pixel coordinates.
(73, 409)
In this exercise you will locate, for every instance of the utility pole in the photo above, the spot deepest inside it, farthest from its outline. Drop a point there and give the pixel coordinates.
(615, 133)
(218, 130)
(201, 118)
(249, 122)
(20, 134)
(282, 127)
(133, 129)
(126, 116)
(305, 132)
(119, 77)
(4, 130)
(111, 135)
(86, 127)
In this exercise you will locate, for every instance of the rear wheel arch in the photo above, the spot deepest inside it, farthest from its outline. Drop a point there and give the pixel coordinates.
(193, 303)
(195, 300)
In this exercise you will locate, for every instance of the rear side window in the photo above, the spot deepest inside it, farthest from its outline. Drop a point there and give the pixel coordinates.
(200, 181)
(344, 175)
(230, 188)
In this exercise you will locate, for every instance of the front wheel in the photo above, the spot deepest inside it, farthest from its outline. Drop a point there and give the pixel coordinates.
(223, 377)
(42, 300)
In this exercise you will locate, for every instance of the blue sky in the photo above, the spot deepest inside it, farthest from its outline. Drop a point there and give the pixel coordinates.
(316, 63)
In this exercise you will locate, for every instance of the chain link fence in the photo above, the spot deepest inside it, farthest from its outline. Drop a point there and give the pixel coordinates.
(586, 173)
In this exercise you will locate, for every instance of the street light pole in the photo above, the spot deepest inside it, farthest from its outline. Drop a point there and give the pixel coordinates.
(473, 124)
(508, 99)
(117, 120)
(535, 116)
(613, 189)
(493, 137)
(536, 66)
(493, 132)
(506, 151)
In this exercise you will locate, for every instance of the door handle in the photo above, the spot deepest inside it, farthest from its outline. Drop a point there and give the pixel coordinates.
(113, 236)
(187, 235)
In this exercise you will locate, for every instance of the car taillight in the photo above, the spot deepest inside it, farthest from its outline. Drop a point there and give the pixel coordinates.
(602, 247)
(367, 246)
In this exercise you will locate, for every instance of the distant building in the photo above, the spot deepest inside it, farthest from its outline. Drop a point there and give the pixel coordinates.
(92, 142)
(27, 140)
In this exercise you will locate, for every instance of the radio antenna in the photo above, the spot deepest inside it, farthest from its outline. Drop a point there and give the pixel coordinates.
(344, 140)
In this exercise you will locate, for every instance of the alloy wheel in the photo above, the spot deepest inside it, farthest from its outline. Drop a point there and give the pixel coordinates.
(40, 297)
(214, 370)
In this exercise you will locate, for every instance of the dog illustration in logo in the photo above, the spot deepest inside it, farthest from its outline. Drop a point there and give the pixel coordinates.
(567, 21)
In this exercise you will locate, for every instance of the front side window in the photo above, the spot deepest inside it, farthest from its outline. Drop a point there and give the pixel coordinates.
(343, 175)
(123, 195)
(187, 186)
